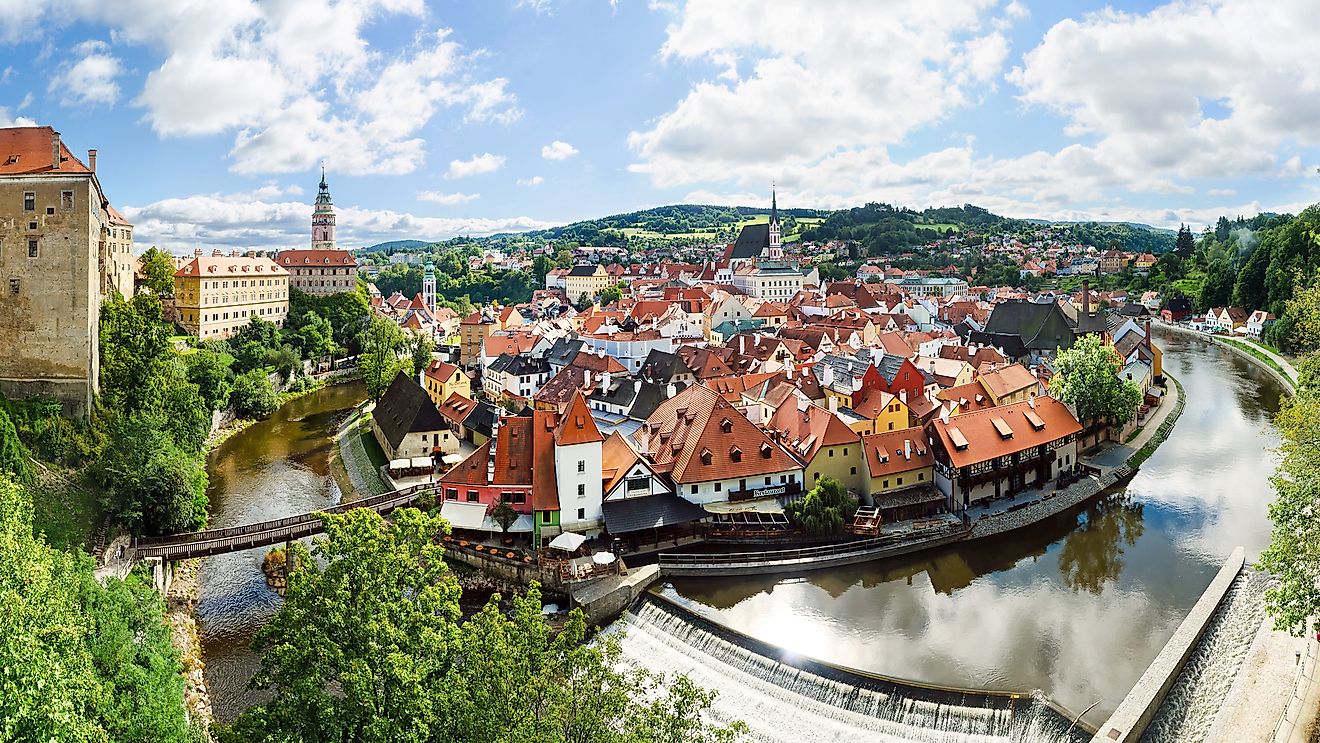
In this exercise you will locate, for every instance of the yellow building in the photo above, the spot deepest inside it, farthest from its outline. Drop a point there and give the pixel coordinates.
(896, 460)
(474, 329)
(821, 439)
(588, 280)
(880, 411)
(216, 295)
(443, 380)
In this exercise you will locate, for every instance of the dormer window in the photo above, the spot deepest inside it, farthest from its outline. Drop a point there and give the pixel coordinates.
(766, 451)
(726, 426)
(706, 457)
(735, 453)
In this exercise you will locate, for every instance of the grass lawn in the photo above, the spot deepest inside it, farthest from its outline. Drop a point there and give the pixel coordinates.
(938, 226)
(66, 513)
(1251, 349)
(374, 452)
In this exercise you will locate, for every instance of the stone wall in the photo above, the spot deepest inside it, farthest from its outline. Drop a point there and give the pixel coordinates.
(49, 313)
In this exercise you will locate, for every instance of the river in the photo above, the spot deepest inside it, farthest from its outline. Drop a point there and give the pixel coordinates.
(1075, 607)
(277, 467)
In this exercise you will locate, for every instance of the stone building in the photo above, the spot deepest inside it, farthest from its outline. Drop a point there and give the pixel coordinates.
(120, 263)
(319, 272)
(55, 266)
(216, 295)
(585, 280)
(324, 269)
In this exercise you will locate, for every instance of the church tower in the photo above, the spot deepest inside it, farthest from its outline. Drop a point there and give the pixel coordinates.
(428, 287)
(775, 250)
(323, 218)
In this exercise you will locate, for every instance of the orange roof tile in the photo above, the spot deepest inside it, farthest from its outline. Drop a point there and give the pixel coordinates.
(698, 436)
(1009, 380)
(805, 429)
(28, 149)
(892, 452)
(986, 434)
(576, 425)
(309, 258)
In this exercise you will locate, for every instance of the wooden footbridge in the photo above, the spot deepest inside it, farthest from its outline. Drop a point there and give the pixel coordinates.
(219, 541)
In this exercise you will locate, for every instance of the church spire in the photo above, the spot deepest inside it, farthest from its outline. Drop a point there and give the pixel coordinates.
(324, 185)
(774, 207)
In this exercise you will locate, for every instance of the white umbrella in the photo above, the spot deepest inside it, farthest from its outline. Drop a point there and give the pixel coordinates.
(568, 541)
(602, 558)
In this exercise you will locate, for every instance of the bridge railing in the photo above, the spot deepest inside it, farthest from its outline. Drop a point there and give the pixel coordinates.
(805, 553)
(382, 502)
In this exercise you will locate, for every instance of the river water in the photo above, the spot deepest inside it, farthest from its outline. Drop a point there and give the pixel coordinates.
(277, 467)
(1075, 607)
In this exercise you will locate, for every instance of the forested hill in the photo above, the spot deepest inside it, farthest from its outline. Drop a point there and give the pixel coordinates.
(876, 228)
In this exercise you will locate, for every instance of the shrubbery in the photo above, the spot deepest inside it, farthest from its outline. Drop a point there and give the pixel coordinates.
(825, 510)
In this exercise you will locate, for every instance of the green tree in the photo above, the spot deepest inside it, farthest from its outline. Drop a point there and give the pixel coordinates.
(148, 482)
(610, 295)
(252, 395)
(1087, 378)
(421, 348)
(404, 669)
(826, 509)
(82, 661)
(504, 515)
(135, 349)
(210, 371)
(1185, 244)
(158, 271)
(13, 455)
(1294, 551)
(315, 336)
(380, 359)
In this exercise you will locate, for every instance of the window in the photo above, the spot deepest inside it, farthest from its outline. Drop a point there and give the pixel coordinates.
(582, 514)
(817, 476)
(32, 248)
(472, 496)
(694, 489)
(831, 452)
(582, 465)
(767, 481)
(718, 486)
(32, 225)
(29, 201)
(582, 490)
(845, 451)
(451, 493)
(66, 200)
(13, 286)
(50, 210)
(854, 471)
(921, 476)
(735, 454)
(885, 484)
(545, 517)
(900, 481)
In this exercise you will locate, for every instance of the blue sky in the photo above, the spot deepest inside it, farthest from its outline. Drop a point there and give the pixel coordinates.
(457, 117)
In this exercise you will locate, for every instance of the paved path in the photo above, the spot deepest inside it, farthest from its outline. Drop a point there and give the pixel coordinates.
(1276, 358)
(1117, 455)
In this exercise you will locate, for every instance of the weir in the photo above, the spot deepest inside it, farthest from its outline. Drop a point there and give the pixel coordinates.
(785, 697)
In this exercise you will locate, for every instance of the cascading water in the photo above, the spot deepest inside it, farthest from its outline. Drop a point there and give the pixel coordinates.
(782, 702)
(1192, 703)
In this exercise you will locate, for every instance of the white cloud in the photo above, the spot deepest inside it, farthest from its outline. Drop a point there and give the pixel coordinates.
(447, 199)
(811, 90)
(7, 120)
(1222, 192)
(558, 150)
(475, 165)
(535, 180)
(90, 79)
(1186, 90)
(291, 82)
(259, 219)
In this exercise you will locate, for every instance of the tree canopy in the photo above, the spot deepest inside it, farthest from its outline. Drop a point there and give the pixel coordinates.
(403, 668)
(826, 509)
(82, 661)
(382, 356)
(157, 268)
(1087, 379)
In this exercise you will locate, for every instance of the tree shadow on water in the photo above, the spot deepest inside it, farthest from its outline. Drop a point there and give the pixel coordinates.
(1092, 555)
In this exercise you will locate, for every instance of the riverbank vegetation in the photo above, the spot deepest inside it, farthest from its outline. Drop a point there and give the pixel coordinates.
(825, 511)
(1294, 551)
(83, 661)
(405, 668)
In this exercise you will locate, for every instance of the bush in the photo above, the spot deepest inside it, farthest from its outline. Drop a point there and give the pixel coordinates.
(825, 510)
(252, 395)
(150, 483)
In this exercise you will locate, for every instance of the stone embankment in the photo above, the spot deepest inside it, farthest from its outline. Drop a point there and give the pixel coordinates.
(180, 613)
(1282, 379)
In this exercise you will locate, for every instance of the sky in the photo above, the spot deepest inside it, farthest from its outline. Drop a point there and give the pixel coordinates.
(457, 117)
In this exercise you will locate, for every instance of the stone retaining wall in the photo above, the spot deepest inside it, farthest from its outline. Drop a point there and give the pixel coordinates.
(1280, 378)
(1134, 713)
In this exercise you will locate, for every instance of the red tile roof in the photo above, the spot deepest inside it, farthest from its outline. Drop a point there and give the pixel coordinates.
(309, 258)
(805, 429)
(28, 149)
(545, 488)
(997, 432)
(576, 425)
(699, 426)
(892, 452)
(1009, 380)
(227, 266)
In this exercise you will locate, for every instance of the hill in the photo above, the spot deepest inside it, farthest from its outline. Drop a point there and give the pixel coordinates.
(394, 246)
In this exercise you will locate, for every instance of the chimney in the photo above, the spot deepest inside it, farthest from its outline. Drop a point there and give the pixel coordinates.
(802, 403)
(55, 150)
(1086, 297)
(605, 382)
(907, 448)
(586, 378)
(1148, 340)
(670, 390)
(902, 396)
(637, 386)
(197, 252)
(91, 160)
(834, 404)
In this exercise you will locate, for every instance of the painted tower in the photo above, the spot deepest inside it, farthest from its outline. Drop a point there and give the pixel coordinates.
(775, 251)
(323, 218)
(428, 286)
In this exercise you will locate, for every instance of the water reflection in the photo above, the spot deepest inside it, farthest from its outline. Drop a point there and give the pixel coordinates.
(1076, 606)
(276, 468)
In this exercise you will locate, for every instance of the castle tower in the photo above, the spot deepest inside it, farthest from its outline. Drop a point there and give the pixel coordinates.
(323, 218)
(428, 286)
(775, 251)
